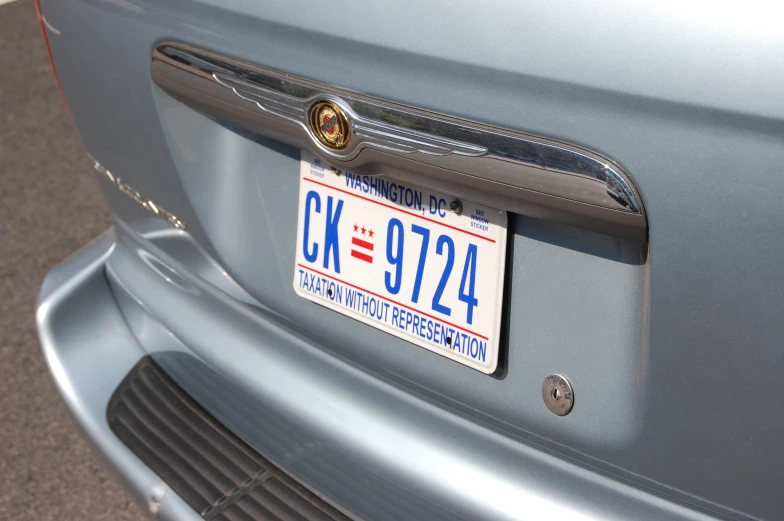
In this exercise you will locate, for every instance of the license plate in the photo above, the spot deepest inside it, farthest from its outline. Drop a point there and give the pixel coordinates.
(418, 264)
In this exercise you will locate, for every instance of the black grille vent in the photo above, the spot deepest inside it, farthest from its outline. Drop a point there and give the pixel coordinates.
(214, 471)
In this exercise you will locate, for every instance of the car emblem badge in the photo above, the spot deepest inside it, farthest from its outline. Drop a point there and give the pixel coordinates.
(329, 125)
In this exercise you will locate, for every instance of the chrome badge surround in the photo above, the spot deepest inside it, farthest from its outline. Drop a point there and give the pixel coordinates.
(147, 204)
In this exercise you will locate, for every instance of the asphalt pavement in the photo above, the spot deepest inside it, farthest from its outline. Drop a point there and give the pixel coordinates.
(49, 207)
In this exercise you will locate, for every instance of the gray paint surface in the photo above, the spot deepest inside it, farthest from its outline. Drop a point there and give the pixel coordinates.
(663, 341)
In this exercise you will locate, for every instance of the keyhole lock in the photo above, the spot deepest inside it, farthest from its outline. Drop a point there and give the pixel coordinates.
(558, 394)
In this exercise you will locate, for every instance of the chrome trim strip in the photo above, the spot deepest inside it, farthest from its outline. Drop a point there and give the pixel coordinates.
(276, 104)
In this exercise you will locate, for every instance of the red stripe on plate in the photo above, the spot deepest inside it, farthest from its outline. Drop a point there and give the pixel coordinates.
(361, 243)
(362, 256)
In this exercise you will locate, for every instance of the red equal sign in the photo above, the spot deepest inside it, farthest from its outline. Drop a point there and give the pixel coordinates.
(358, 254)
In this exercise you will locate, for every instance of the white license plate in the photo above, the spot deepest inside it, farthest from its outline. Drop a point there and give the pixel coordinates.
(393, 255)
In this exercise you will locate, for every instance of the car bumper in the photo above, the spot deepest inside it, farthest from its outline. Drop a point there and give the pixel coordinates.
(89, 350)
(374, 451)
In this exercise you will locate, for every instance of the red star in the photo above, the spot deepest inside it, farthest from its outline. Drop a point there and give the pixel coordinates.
(356, 228)
(370, 232)
(363, 230)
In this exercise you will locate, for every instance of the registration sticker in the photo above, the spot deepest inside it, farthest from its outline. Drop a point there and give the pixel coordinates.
(418, 264)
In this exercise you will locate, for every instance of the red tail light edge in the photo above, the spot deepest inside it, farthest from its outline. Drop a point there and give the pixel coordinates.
(42, 21)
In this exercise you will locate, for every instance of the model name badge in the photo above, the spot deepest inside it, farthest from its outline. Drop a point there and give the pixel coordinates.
(150, 206)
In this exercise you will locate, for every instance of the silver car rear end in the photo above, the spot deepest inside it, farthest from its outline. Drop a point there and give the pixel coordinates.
(665, 320)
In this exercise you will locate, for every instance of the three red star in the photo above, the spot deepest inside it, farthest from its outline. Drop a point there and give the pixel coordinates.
(363, 230)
